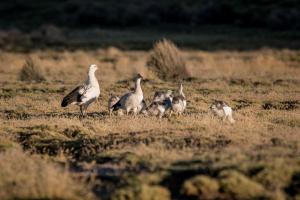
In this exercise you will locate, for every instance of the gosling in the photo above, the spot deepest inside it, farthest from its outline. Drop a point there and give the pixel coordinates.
(222, 110)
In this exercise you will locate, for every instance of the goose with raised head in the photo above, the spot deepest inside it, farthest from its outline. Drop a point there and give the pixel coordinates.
(132, 100)
(179, 102)
(222, 110)
(84, 94)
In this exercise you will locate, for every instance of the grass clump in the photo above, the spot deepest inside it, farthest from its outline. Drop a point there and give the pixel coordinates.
(23, 176)
(201, 186)
(166, 61)
(239, 186)
(31, 72)
(142, 192)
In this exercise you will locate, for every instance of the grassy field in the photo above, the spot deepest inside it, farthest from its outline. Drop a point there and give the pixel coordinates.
(48, 152)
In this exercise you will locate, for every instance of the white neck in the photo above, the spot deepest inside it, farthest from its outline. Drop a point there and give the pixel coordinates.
(181, 91)
(138, 88)
(92, 80)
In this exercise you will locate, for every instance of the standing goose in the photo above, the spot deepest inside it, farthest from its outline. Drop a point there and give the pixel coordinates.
(222, 110)
(84, 94)
(132, 100)
(179, 102)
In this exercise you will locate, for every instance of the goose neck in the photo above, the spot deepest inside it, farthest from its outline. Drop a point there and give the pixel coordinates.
(138, 88)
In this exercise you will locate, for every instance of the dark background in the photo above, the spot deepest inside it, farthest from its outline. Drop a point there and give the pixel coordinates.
(268, 14)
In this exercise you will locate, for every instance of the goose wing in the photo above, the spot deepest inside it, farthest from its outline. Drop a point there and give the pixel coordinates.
(74, 96)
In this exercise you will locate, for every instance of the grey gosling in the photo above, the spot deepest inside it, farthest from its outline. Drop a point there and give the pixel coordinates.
(222, 110)
(111, 102)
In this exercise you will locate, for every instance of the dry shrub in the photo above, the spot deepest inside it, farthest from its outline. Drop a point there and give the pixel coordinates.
(167, 62)
(201, 186)
(23, 176)
(31, 72)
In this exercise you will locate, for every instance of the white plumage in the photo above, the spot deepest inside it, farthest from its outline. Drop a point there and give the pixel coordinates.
(179, 102)
(85, 94)
(222, 110)
(132, 101)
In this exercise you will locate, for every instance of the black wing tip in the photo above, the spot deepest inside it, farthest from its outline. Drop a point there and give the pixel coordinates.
(116, 106)
(64, 103)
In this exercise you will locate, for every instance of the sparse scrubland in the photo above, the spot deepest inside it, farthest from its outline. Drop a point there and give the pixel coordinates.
(48, 152)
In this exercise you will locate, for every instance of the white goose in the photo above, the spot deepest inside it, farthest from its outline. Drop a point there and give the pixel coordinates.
(179, 102)
(222, 110)
(84, 94)
(132, 100)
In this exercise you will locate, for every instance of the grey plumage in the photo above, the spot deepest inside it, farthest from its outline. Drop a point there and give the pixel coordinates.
(111, 102)
(158, 108)
(160, 96)
(222, 110)
(162, 101)
(72, 97)
(132, 100)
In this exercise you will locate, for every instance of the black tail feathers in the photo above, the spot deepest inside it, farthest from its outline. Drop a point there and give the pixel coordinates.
(117, 106)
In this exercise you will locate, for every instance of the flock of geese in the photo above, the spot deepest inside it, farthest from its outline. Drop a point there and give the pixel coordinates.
(133, 102)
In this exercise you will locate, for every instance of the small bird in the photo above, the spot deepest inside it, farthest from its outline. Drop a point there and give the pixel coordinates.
(222, 110)
(84, 94)
(179, 102)
(162, 101)
(158, 108)
(111, 102)
(160, 96)
(132, 100)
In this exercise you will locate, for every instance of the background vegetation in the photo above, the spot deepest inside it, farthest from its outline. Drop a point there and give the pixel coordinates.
(272, 14)
(243, 52)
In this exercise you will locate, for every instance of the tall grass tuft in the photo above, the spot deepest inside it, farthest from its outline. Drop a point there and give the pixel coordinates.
(24, 176)
(167, 62)
(31, 72)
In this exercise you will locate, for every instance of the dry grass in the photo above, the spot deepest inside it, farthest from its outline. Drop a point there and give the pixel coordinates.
(31, 72)
(30, 177)
(167, 62)
(130, 157)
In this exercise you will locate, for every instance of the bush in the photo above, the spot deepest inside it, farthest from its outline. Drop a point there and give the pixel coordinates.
(23, 176)
(166, 61)
(31, 72)
(142, 192)
(201, 186)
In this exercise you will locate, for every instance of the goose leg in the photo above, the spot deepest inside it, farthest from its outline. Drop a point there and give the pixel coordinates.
(135, 111)
(127, 111)
(81, 111)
